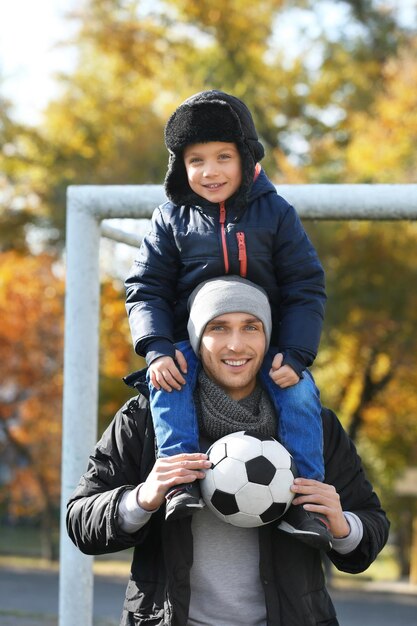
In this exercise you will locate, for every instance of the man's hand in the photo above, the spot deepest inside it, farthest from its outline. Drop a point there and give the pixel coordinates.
(283, 375)
(321, 498)
(170, 471)
(164, 373)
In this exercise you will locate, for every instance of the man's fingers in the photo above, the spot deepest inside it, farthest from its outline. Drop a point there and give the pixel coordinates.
(309, 485)
(186, 462)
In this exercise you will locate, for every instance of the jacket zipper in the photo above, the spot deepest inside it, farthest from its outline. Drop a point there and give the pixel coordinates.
(243, 259)
(223, 236)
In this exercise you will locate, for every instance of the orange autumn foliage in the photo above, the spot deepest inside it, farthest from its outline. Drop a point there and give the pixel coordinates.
(31, 346)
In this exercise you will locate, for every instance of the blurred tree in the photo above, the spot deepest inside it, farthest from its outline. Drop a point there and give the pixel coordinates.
(31, 310)
(31, 345)
(20, 209)
(372, 312)
(117, 357)
(384, 138)
(366, 368)
(343, 54)
(107, 126)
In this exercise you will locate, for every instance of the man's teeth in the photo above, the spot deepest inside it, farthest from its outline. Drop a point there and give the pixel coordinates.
(235, 363)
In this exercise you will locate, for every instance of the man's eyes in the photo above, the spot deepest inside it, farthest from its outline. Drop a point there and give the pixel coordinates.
(248, 327)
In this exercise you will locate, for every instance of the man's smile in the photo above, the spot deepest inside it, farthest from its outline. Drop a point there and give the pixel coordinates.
(235, 362)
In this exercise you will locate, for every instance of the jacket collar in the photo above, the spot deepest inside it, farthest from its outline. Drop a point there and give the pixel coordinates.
(137, 380)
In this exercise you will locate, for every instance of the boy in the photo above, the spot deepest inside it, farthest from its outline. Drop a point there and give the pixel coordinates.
(225, 217)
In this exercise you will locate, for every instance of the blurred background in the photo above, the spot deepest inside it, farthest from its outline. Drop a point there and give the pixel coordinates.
(86, 87)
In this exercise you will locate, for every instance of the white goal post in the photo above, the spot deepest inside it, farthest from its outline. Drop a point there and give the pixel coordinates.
(87, 206)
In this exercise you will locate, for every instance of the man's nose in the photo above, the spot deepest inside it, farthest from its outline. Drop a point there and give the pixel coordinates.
(235, 341)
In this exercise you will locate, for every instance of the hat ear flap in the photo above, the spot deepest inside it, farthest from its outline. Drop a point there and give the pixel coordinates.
(176, 180)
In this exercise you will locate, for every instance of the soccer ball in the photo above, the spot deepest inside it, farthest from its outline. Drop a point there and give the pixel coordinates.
(249, 481)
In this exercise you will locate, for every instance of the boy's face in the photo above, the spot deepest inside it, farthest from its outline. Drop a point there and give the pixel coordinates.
(214, 169)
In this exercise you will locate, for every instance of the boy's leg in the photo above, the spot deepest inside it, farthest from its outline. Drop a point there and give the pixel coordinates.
(176, 431)
(300, 427)
(300, 430)
(173, 413)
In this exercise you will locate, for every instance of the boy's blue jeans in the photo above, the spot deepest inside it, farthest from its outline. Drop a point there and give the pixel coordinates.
(298, 407)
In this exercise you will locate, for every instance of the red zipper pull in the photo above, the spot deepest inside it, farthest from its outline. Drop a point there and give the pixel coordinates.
(243, 259)
(223, 237)
(222, 213)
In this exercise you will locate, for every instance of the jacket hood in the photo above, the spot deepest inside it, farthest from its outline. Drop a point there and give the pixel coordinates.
(210, 116)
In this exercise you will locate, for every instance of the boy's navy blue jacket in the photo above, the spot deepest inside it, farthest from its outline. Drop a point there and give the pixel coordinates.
(188, 245)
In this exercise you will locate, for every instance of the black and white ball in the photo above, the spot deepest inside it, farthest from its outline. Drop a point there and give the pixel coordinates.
(249, 482)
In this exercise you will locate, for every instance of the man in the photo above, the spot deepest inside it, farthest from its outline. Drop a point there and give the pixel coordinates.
(198, 570)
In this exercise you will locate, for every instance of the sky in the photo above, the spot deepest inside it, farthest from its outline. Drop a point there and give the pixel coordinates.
(29, 32)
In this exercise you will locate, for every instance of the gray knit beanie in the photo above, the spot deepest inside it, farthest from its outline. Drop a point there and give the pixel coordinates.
(229, 294)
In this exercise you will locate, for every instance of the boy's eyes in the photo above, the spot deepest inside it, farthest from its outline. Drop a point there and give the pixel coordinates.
(222, 157)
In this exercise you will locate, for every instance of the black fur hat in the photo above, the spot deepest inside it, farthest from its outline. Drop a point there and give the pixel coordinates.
(210, 116)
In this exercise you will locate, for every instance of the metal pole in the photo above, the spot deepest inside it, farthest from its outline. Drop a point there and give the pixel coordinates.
(318, 202)
(80, 399)
(352, 202)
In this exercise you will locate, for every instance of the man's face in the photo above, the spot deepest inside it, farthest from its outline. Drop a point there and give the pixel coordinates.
(232, 350)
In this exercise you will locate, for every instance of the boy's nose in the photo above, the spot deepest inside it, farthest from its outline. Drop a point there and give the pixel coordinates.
(210, 169)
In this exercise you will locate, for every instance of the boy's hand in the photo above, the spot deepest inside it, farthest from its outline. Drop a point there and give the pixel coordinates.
(165, 374)
(283, 375)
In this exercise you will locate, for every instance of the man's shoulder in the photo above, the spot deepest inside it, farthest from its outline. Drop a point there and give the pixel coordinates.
(332, 426)
(137, 407)
(339, 449)
(137, 380)
(133, 421)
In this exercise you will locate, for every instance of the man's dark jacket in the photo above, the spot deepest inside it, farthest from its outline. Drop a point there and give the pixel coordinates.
(185, 248)
(158, 592)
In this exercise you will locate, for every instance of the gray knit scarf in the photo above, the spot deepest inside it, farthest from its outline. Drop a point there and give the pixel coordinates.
(220, 415)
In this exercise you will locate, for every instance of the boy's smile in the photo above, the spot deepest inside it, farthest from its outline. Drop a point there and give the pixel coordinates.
(213, 169)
